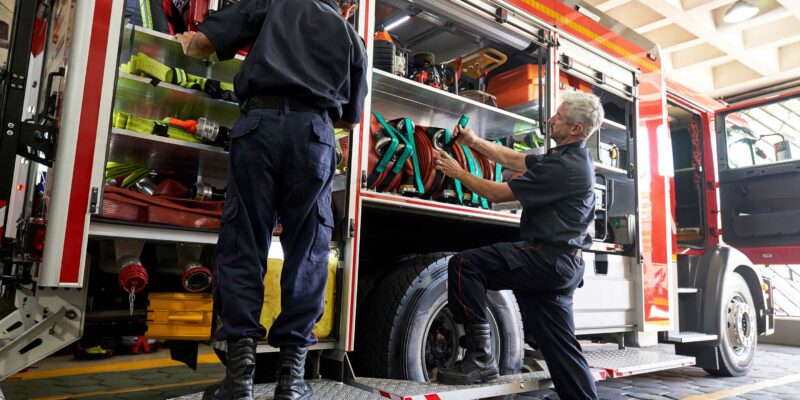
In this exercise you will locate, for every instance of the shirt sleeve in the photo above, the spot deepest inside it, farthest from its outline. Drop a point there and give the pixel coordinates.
(235, 26)
(351, 112)
(531, 160)
(541, 184)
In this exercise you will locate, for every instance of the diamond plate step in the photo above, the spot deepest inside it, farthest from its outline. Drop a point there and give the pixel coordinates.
(323, 389)
(626, 362)
(689, 337)
(405, 390)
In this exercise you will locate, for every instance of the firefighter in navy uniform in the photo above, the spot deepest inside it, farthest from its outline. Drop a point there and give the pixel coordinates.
(545, 267)
(304, 74)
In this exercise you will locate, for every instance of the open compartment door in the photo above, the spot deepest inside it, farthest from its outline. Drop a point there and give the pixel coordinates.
(759, 178)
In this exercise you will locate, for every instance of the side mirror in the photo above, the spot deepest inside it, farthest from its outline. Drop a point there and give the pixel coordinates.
(783, 150)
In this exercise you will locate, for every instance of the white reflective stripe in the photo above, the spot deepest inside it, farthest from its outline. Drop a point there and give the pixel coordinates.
(2, 216)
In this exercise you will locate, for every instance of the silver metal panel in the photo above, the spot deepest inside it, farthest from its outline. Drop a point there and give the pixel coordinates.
(323, 389)
(162, 152)
(155, 233)
(634, 361)
(395, 97)
(605, 300)
(166, 50)
(689, 337)
(136, 95)
(435, 208)
(509, 384)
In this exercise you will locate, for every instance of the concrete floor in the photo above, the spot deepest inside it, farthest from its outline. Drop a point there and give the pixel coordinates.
(776, 375)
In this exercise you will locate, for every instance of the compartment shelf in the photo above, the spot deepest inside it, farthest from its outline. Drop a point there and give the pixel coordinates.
(101, 227)
(162, 152)
(396, 97)
(136, 95)
(165, 49)
(435, 208)
(606, 168)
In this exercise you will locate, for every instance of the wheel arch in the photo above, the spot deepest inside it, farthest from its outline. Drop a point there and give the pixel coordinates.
(715, 267)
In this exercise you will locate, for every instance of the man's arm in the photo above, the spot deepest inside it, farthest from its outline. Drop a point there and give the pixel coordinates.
(351, 112)
(226, 31)
(495, 192)
(495, 152)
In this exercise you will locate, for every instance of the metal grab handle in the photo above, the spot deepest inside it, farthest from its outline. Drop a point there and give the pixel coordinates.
(194, 318)
(48, 94)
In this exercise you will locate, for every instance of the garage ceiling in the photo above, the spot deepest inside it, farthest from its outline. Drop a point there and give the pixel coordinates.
(716, 58)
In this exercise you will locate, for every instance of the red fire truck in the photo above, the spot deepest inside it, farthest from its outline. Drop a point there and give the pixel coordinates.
(104, 124)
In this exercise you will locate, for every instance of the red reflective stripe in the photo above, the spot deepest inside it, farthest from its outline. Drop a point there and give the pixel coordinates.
(432, 396)
(384, 394)
(87, 134)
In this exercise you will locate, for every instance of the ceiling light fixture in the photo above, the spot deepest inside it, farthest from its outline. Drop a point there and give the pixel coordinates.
(397, 23)
(740, 11)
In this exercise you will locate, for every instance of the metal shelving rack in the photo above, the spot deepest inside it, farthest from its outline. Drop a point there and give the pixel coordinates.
(394, 97)
(152, 99)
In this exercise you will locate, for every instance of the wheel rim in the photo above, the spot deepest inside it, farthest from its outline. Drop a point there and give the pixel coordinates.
(441, 342)
(740, 325)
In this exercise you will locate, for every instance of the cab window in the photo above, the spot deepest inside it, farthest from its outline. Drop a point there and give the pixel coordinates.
(766, 134)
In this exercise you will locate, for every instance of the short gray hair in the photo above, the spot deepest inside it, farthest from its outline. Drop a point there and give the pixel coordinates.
(345, 3)
(584, 109)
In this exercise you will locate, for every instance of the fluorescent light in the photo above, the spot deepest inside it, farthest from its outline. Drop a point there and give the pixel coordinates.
(740, 11)
(585, 11)
(397, 23)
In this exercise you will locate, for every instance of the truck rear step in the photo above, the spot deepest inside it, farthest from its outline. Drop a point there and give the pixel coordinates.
(626, 362)
(323, 389)
(689, 337)
(405, 390)
(604, 364)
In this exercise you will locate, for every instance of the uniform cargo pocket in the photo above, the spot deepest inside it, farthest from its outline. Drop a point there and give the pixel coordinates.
(565, 266)
(321, 147)
(244, 126)
(322, 238)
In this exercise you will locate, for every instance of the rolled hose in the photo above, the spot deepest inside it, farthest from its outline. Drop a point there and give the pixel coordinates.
(426, 142)
(380, 143)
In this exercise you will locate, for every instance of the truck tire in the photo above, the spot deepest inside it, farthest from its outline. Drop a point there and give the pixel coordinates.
(738, 329)
(405, 330)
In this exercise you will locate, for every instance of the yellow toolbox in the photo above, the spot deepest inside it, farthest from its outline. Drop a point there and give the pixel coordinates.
(187, 316)
(179, 316)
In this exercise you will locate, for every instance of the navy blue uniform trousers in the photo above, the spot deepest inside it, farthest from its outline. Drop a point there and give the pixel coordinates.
(543, 279)
(281, 165)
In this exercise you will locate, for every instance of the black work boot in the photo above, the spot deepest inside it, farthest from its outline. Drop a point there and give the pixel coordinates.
(479, 365)
(291, 368)
(238, 382)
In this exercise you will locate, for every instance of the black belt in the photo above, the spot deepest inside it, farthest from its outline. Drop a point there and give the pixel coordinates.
(278, 102)
(576, 251)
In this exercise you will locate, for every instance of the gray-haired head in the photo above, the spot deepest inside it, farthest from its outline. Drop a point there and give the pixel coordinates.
(584, 109)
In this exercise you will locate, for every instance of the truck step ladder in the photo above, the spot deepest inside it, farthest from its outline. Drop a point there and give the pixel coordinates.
(625, 362)
(689, 337)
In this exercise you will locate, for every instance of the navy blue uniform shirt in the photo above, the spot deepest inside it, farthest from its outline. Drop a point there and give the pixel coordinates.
(557, 196)
(301, 49)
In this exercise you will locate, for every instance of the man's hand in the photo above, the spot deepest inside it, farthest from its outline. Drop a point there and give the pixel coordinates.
(195, 44)
(465, 136)
(186, 39)
(448, 165)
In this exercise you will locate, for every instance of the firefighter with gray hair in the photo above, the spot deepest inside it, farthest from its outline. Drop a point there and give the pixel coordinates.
(304, 74)
(545, 267)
